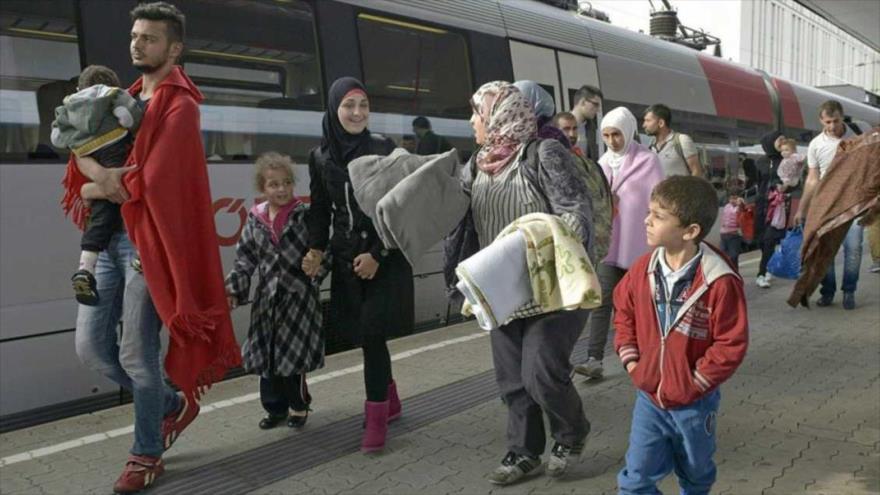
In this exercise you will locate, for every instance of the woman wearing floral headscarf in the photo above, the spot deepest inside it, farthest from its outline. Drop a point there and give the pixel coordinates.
(531, 353)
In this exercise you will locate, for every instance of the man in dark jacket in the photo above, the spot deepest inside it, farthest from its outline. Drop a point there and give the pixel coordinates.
(429, 142)
(767, 180)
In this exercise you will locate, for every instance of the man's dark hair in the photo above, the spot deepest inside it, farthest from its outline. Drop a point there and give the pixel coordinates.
(691, 199)
(563, 115)
(661, 111)
(175, 21)
(421, 123)
(586, 91)
(97, 74)
(829, 107)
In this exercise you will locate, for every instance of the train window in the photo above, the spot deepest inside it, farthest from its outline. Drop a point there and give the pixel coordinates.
(414, 69)
(39, 65)
(262, 87)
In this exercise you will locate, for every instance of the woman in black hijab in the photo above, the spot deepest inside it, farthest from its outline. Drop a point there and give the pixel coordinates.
(371, 293)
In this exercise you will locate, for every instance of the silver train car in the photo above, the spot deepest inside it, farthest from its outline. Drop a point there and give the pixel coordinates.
(264, 67)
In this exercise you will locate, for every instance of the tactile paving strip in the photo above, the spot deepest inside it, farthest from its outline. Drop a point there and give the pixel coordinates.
(282, 459)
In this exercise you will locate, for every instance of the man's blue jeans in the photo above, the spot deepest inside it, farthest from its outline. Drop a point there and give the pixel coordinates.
(852, 261)
(663, 440)
(132, 359)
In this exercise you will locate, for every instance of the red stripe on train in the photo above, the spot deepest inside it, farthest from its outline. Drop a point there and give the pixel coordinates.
(738, 93)
(791, 111)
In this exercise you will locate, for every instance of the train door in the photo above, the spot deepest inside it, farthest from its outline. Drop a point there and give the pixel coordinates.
(574, 72)
(561, 74)
(538, 64)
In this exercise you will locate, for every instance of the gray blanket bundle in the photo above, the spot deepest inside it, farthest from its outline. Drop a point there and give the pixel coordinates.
(414, 201)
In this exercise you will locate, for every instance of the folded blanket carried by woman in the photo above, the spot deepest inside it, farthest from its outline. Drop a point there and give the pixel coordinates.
(560, 274)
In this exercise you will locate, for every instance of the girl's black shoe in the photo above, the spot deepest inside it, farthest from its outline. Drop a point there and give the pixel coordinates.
(297, 421)
(271, 421)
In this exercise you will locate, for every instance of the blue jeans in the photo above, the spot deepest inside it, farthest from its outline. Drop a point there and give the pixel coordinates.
(852, 261)
(132, 359)
(661, 440)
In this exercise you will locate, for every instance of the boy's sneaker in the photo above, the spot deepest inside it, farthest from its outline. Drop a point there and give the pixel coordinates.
(139, 473)
(591, 368)
(849, 300)
(763, 281)
(85, 287)
(174, 423)
(515, 467)
(561, 456)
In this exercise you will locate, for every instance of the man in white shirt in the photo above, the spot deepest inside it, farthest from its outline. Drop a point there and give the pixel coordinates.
(677, 151)
(820, 156)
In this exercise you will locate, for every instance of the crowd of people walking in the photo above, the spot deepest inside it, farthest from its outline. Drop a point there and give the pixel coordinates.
(638, 214)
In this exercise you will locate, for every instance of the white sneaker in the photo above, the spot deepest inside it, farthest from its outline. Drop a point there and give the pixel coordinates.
(591, 368)
(875, 268)
(768, 277)
(763, 282)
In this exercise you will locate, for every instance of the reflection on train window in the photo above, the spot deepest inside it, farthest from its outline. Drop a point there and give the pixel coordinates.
(39, 65)
(262, 86)
(428, 74)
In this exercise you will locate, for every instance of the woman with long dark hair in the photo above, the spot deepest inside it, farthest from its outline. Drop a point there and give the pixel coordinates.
(371, 294)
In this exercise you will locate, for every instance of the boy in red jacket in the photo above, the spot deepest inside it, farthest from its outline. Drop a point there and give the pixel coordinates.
(682, 330)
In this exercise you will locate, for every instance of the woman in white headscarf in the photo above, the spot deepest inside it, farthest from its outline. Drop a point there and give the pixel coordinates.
(632, 170)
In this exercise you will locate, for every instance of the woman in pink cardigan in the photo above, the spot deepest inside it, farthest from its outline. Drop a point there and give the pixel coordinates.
(632, 171)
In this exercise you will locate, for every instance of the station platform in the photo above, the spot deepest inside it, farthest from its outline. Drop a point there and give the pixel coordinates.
(802, 415)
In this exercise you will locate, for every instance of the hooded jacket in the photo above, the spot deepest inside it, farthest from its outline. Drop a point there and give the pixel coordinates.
(95, 118)
(704, 344)
(769, 176)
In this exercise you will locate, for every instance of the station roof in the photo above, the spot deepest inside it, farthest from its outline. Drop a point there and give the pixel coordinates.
(860, 18)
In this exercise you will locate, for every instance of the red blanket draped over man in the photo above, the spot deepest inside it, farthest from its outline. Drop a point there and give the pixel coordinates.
(170, 219)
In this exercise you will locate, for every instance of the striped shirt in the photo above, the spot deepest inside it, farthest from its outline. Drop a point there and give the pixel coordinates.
(497, 201)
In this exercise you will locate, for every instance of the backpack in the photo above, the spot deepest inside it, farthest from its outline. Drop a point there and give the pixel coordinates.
(600, 192)
(676, 141)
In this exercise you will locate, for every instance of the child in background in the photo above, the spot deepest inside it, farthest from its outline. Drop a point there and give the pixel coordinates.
(97, 121)
(731, 231)
(680, 315)
(792, 165)
(284, 341)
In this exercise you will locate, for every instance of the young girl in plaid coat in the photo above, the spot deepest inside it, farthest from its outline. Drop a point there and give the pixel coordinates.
(284, 341)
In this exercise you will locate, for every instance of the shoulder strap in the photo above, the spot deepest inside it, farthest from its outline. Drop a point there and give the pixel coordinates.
(678, 148)
(532, 169)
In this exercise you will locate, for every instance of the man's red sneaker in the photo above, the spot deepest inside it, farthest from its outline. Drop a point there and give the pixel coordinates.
(139, 473)
(174, 423)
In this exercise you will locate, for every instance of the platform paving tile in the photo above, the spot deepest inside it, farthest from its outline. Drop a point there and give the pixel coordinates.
(802, 415)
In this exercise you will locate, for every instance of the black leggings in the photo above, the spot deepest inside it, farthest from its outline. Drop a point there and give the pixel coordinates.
(771, 238)
(377, 368)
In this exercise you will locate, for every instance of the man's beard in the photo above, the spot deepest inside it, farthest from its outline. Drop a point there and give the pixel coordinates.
(651, 133)
(146, 68)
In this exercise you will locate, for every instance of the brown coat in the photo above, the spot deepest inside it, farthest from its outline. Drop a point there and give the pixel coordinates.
(850, 188)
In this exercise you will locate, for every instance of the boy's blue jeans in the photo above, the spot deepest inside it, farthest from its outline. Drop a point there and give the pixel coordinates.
(133, 360)
(852, 261)
(661, 441)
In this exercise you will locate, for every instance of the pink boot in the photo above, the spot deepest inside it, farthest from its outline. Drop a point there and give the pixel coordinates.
(394, 407)
(376, 414)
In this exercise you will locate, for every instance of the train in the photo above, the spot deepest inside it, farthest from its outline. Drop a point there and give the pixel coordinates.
(264, 67)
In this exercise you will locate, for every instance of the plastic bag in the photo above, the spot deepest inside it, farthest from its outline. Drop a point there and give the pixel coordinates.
(786, 260)
(778, 218)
